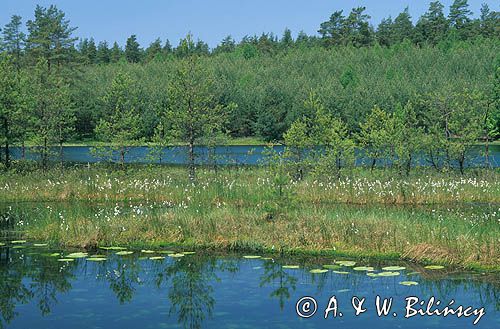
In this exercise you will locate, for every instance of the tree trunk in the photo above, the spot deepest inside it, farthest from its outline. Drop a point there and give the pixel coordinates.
(7, 152)
(61, 154)
(191, 161)
(374, 162)
(122, 157)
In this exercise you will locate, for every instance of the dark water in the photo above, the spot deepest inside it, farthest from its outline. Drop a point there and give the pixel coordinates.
(235, 155)
(220, 291)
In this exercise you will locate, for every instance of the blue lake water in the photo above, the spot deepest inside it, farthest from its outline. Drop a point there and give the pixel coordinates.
(233, 155)
(206, 290)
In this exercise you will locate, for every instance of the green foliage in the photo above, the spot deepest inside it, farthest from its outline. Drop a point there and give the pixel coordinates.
(119, 125)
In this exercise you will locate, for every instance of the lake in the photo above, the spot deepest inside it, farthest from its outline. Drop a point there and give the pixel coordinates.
(210, 290)
(232, 155)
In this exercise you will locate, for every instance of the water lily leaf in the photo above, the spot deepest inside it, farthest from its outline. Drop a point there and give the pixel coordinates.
(409, 283)
(291, 267)
(318, 271)
(332, 267)
(65, 259)
(113, 248)
(434, 267)
(124, 253)
(189, 252)
(266, 258)
(98, 256)
(40, 244)
(157, 258)
(2, 244)
(18, 247)
(388, 273)
(373, 275)
(252, 257)
(347, 263)
(394, 268)
(176, 255)
(340, 272)
(97, 259)
(77, 255)
(55, 254)
(413, 273)
(363, 268)
(256, 268)
(18, 241)
(148, 251)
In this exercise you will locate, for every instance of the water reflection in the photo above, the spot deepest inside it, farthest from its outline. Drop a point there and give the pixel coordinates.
(185, 292)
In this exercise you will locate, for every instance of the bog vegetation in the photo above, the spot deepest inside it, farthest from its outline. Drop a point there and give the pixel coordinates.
(401, 93)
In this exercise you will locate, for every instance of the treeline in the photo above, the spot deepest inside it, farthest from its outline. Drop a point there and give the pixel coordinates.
(442, 72)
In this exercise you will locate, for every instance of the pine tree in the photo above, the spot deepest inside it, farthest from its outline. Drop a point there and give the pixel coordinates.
(50, 37)
(459, 18)
(103, 53)
(433, 25)
(403, 26)
(116, 53)
(133, 50)
(14, 40)
(154, 50)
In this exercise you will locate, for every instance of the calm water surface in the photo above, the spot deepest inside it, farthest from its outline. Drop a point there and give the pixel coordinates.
(205, 290)
(233, 155)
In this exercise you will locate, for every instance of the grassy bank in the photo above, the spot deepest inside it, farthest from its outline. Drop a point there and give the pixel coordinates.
(425, 217)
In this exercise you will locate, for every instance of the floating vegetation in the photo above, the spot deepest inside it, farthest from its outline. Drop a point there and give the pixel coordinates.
(97, 259)
(65, 259)
(344, 290)
(434, 267)
(18, 247)
(18, 241)
(148, 251)
(2, 244)
(291, 267)
(252, 257)
(332, 267)
(413, 273)
(124, 253)
(363, 268)
(157, 258)
(55, 254)
(176, 255)
(340, 272)
(266, 258)
(77, 255)
(318, 271)
(409, 283)
(347, 263)
(393, 268)
(97, 256)
(189, 252)
(40, 244)
(388, 274)
(113, 248)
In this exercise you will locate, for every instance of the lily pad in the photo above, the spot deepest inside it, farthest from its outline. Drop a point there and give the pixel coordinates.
(413, 273)
(18, 247)
(176, 255)
(148, 251)
(266, 258)
(373, 275)
(55, 254)
(124, 253)
(97, 256)
(394, 268)
(291, 267)
(157, 258)
(189, 252)
(66, 260)
(252, 257)
(77, 255)
(97, 259)
(363, 268)
(409, 283)
(40, 244)
(18, 241)
(434, 267)
(340, 272)
(2, 244)
(347, 263)
(113, 248)
(391, 273)
(318, 271)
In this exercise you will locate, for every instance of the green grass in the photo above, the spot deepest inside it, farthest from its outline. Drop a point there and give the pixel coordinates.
(427, 217)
